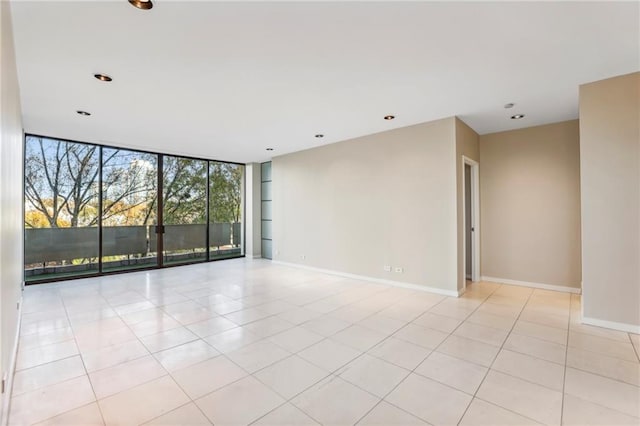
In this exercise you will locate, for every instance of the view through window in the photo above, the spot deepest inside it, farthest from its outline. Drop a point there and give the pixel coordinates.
(91, 209)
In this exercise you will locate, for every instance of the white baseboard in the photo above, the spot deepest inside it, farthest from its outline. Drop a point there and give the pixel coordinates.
(452, 293)
(253, 256)
(543, 286)
(627, 328)
(6, 396)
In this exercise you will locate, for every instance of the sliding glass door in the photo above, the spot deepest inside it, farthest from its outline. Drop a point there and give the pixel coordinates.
(184, 210)
(92, 209)
(129, 209)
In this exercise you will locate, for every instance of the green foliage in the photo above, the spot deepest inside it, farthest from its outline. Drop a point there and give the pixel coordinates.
(62, 183)
(225, 183)
(185, 191)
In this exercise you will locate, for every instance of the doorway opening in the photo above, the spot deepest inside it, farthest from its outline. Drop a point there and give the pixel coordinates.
(471, 208)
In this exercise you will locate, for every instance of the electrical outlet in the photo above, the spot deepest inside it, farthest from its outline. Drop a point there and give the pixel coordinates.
(303, 257)
(387, 268)
(399, 270)
(277, 252)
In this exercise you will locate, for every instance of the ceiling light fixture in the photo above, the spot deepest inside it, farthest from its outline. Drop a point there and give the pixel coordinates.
(141, 4)
(103, 77)
(509, 105)
(517, 116)
(389, 117)
(269, 149)
(84, 113)
(319, 135)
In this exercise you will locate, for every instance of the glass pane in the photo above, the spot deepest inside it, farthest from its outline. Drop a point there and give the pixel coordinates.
(184, 210)
(266, 191)
(61, 208)
(266, 171)
(266, 230)
(226, 192)
(266, 210)
(266, 249)
(129, 206)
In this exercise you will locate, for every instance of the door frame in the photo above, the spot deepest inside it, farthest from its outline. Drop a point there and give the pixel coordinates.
(475, 220)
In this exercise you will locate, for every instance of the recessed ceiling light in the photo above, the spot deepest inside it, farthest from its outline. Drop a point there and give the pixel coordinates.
(141, 4)
(102, 77)
(269, 149)
(517, 116)
(389, 117)
(85, 113)
(509, 105)
(319, 135)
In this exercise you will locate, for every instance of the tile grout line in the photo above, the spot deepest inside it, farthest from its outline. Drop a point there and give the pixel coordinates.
(426, 357)
(169, 373)
(249, 374)
(633, 346)
(566, 357)
(329, 374)
(78, 346)
(95, 401)
(560, 344)
(137, 338)
(332, 373)
(175, 409)
(489, 369)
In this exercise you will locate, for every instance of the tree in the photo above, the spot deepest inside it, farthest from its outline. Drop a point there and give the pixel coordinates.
(129, 181)
(225, 192)
(184, 190)
(62, 181)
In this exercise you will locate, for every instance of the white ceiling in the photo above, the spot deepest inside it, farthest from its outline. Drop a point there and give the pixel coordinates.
(227, 80)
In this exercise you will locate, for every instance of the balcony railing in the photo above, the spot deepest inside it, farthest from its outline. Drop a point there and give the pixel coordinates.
(69, 250)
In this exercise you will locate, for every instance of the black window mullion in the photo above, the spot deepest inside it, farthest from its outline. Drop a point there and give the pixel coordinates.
(100, 213)
(159, 229)
(160, 225)
(208, 207)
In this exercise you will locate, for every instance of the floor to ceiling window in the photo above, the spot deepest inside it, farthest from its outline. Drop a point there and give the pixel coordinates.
(91, 209)
(225, 209)
(61, 207)
(129, 207)
(184, 209)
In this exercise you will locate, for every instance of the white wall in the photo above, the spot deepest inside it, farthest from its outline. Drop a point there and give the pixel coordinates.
(11, 155)
(383, 199)
(610, 182)
(530, 205)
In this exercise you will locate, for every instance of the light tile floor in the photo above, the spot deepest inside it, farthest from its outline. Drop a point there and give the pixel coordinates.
(250, 342)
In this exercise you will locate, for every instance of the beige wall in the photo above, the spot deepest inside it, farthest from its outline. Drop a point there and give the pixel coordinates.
(383, 199)
(466, 145)
(530, 204)
(10, 196)
(610, 164)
